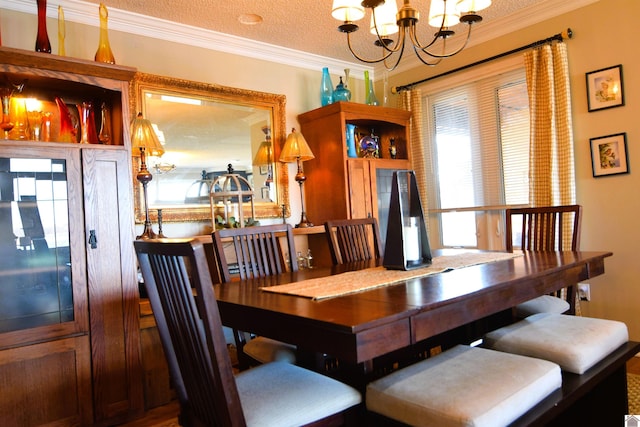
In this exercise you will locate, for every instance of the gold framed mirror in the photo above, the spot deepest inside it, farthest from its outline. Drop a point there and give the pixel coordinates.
(204, 128)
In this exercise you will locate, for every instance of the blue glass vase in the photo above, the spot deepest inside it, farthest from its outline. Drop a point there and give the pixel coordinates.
(326, 88)
(351, 140)
(341, 93)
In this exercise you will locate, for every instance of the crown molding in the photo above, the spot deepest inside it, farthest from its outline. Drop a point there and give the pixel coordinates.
(133, 23)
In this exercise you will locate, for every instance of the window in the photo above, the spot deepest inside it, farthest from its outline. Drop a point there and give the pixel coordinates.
(477, 154)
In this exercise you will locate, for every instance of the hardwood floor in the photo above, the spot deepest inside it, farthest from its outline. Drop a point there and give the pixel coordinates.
(633, 365)
(162, 416)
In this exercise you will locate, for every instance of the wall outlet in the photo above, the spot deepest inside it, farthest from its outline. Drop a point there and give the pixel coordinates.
(584, 292)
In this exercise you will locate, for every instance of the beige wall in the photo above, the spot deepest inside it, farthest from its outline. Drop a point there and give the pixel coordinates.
(605, 34)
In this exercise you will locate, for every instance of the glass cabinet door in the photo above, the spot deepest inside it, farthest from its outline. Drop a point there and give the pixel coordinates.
(383, 173)
(37, 283)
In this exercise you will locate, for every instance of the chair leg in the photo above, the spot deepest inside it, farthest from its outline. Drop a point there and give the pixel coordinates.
(244, 361)
(572, 296)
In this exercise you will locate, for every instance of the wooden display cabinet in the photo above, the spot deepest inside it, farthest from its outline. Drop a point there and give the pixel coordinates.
(341, 187)
(69, 326)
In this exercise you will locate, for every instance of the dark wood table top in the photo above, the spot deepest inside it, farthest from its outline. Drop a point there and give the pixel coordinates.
(361, 326)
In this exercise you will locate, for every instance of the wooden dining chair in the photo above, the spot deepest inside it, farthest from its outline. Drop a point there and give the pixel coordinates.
(549, 228)
(257, 249)
(258, 253)
(353, 240)
(182, 297)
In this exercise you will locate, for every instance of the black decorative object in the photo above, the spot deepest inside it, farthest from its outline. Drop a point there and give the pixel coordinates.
(407, 243)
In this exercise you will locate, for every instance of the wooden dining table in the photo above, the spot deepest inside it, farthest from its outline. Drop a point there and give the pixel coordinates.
(359, 327)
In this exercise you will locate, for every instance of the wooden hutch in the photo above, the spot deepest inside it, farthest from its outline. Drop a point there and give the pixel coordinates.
(69, 327)
(338, 186)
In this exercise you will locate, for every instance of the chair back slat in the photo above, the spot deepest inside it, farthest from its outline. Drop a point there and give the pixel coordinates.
(353, 240)
(178, 282)
(545, 228)
(257, 249)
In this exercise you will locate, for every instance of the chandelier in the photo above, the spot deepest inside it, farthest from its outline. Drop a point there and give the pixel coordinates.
(387, 20)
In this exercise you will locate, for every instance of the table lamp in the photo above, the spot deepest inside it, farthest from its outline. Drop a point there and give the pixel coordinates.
(297, 150)
(144, 141)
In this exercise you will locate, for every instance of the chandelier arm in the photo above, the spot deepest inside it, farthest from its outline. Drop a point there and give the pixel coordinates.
(385, 43)
(398, 60)
(419, 53)
(367, 61)
(450, 54)
(416, 43)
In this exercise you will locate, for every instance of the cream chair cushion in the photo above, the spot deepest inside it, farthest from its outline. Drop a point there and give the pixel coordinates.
(266, 350)
(542, 304)
(573, 342)
(464, 386)
(298, 392)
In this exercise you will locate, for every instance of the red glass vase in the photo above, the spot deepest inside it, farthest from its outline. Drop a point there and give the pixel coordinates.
(67, 130)
(42, 39)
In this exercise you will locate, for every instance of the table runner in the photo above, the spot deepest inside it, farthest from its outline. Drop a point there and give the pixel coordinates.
(363, 280)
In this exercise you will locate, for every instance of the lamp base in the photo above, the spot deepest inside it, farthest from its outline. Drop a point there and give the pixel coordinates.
(147, 233)
(304, 222)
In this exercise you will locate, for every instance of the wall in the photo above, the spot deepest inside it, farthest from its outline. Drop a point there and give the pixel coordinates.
(604, 35)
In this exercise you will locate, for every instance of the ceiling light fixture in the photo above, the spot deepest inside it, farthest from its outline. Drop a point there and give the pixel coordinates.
(387, 20)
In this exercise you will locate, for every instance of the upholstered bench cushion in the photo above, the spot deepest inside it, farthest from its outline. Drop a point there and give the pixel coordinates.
(266, 350)
(464, 386)
(541, 304)
(575, 343)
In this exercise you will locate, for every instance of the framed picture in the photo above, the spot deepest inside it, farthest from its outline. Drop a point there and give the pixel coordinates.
(264, 170)
(609, 155)
(265, 193)
(604, 88)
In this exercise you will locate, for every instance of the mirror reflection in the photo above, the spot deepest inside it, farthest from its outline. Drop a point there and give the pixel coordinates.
(207, 131)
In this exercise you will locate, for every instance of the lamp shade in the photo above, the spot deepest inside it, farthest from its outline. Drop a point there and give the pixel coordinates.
(347, 10)
(143, 136)
(440, 9)
(386, 19)
(264, 156)
(296, 148)
(466, 6)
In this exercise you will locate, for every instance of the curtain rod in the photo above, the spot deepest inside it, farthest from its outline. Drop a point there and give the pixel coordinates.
(559, 37)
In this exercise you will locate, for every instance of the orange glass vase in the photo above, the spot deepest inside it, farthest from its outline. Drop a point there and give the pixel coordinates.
(21, 130)
(104, 53)
(88, 134)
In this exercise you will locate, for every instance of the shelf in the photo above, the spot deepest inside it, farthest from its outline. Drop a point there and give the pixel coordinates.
(49, 65)
(75, 81)
(26, 143)
(358, 113)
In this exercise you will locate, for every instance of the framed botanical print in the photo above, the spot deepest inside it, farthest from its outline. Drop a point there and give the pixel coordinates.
(604, 88)
(609, 155)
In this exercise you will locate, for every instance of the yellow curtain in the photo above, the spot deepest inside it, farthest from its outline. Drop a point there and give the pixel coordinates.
(411, 100)
(551, 164)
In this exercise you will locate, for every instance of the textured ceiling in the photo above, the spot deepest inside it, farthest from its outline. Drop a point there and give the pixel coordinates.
(303, 25)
